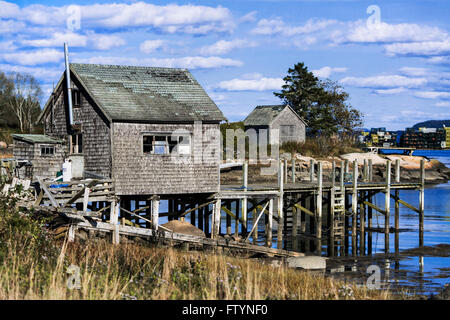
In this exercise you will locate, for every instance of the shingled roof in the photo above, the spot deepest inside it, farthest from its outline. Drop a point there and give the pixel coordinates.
(131, 93)
(35, 138)
(264, 115)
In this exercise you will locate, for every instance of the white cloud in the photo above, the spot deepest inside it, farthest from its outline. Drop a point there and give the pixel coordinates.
(249, 17)
(425, 48)
(31, 58)
(170, 18)
(106, 42)
(183, 62)
(414, 71)
(326, 72)
(149, 46)
(44, 74)
(97, 41)
(360, 32)
(384, 81)
(224, 46)
(277, 26)
(432, 94)
(390, 91)
(443, 104)
(57, 40)
(257, 84)
(11, 26)
(7, 46)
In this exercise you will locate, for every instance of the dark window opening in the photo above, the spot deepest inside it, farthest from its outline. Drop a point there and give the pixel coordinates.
(76, 143)
(166, 144)
(76, 98)
(47, 151)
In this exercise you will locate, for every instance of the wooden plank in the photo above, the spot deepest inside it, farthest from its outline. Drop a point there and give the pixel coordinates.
(79, 193)
(409, 206)
(47, 192)
(374, 207)
(198, 207)
(256, 222)
(308, 212)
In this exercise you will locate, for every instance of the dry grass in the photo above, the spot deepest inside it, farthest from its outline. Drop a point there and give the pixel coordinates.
(34, 266)
(131, 271)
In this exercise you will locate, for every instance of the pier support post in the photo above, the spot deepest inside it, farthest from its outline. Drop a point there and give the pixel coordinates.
(293, 170)
(387, 206)
(280, 206)
(332, 202)
(365, 171)
(216, 218)
(228, 218)
(285, 170)
(319, 209)
(370, 171)
(421, 201)
(269, 224)
(155, 212)
(255, 227)
(311, 170)
(114, 220)
(294, 228)
(397, 195)
(245, 201)
(355, 198)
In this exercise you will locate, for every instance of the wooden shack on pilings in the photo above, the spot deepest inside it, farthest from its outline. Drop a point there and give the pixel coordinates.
(153, 132)
(266, 119)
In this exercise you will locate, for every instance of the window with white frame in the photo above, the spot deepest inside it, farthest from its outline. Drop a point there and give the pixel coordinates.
(166, 144)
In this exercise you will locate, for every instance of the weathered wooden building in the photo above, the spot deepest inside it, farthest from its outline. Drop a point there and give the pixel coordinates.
(38, 154)
(152, 130)
(266, 119)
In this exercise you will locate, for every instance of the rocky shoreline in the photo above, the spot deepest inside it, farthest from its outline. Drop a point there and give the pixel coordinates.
(435, 171)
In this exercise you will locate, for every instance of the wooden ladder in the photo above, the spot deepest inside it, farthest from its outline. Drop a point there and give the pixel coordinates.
(339, 214)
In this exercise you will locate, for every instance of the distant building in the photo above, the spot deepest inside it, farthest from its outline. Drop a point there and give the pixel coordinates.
(265, 119)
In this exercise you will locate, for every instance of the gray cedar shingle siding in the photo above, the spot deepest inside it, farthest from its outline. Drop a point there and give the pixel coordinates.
(137, 173)
(118, 104)
(28, 147)
(274, 117)
(94, 129)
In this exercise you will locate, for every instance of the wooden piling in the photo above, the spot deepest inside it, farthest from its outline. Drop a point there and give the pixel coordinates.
(293, 169)
(311, 170)
(355, 198)
(228, 217)
(387, 205)
(280, 206)
(155, 212)
(397, 195)
(421, 201)
(245, 200)
(269, 224)
(370, 171)
(216, 219)
(319, 208)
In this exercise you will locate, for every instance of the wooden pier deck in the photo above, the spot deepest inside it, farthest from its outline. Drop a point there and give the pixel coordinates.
(298, 216)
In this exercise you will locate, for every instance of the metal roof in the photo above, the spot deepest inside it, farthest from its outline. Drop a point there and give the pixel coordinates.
(36, 138)
(131, 93)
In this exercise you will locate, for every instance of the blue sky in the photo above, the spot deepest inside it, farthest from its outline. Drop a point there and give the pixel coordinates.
(395, 67)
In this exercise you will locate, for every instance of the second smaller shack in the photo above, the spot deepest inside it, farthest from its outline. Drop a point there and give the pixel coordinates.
(277, 117)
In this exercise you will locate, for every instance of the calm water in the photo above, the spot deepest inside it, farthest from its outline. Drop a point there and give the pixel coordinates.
(421, 274)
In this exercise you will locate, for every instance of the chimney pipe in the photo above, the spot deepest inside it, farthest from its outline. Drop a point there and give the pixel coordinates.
(69, 87)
